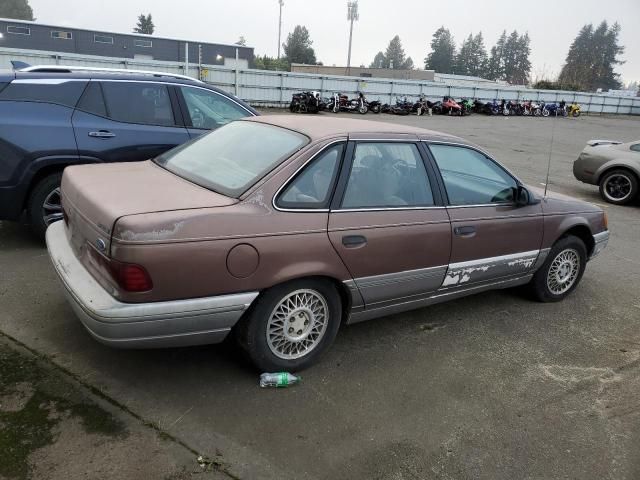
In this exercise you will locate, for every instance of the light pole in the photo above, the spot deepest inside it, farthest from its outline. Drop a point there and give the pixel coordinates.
(281, 2)
(352, 16)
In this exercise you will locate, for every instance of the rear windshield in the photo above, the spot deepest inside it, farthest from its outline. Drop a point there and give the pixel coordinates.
(232, 158)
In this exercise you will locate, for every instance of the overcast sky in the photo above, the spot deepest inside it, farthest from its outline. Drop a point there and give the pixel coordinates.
(552, 24)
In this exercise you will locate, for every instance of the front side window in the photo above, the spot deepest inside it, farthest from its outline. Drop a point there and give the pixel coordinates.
(471, 178)
(143, 103)
(312, 187)
(231, 159)
(387, 175)
(635, 147)
(209, 110)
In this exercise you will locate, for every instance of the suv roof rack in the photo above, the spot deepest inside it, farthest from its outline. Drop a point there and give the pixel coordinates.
(76, 68)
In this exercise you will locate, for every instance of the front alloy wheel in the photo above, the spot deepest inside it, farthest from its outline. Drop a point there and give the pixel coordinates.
(561, 271)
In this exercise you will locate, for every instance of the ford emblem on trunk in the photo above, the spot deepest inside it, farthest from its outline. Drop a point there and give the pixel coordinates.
(101, 245)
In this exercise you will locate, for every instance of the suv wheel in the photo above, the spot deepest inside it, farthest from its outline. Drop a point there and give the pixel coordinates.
(44, 206)
(291, 325)
(619, 187)
(561, 271)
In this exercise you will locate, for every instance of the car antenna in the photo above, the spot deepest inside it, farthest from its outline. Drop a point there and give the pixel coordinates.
(553, 131)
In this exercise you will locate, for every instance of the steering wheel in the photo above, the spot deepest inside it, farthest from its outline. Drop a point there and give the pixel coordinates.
(197, 118)
(502, 195)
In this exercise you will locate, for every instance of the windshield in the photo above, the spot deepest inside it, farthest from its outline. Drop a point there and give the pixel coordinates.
(232, 158)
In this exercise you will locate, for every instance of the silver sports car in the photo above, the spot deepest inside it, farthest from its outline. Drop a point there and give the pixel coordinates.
(614, 166)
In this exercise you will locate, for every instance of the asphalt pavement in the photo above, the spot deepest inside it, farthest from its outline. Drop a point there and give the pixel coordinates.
(493, 386)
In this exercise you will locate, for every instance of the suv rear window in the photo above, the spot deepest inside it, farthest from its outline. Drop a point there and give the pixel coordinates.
(232, 158)
(48, 90)
(138, 102)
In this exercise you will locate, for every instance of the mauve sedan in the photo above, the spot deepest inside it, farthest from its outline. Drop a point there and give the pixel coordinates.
(280, 229)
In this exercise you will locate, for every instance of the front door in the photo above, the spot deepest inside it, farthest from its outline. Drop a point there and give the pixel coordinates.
(492, 238)
(388, 224)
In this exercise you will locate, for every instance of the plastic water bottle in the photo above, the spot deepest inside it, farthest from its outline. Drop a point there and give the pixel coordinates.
(278, 380)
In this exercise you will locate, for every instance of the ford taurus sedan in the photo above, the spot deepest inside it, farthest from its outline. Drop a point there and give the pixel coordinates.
(281, 229)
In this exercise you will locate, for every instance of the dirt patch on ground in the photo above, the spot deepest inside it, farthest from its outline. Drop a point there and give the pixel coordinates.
(51, 429)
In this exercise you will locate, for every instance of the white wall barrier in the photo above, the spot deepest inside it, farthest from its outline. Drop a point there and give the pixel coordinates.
(269, 88)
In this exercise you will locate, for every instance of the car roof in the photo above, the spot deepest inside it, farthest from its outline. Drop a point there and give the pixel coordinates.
(316, 127)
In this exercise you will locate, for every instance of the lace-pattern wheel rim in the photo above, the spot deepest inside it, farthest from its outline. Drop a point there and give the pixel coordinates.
(563, 271)
(617, 187)
(297, 324)
(52, 207)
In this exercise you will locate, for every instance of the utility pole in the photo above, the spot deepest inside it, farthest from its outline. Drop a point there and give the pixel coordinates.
(281, 2)
(352, 16)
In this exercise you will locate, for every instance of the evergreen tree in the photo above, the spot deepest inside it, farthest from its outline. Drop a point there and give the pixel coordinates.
(395, 57)
(379, 61)
(145, 25)
(18, 9)
(495, 66)
(443, 52)
(592, 57)
(297, 48)
(472, 57)
(516, 59)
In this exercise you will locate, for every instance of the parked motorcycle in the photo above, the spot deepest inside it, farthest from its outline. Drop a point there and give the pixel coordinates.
(451, 107)
(478, 106)
(553, 109)
(467, 106)
(305, 102)
(574, 110)
(536, 108)
(353, 105)
(333, 104)
(374, 106)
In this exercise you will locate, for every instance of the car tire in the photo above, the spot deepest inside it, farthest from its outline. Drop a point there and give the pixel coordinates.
(562, 270)
(271, 348)
(619, 187)
(43, 206)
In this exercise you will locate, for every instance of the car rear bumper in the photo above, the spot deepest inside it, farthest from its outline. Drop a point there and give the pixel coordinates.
(600, 242)
(141, 325)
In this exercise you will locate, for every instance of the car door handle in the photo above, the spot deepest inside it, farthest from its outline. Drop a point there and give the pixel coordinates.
(353, 241)
(464, 231)
(102, 134)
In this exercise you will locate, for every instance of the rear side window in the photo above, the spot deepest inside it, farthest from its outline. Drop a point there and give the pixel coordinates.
(138, 102)
(635, 147)
(92, 100)
(61, 92)
(312, 187)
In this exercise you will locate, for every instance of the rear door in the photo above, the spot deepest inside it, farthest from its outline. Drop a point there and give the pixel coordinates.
(204, 109)
(119, 121)
(492, 238)
(388, 223)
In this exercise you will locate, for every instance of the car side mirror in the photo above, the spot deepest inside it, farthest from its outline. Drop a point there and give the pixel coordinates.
(521, 196)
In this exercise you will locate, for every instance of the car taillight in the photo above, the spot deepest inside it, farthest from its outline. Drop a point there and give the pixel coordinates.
(605, 220)
(130, 277)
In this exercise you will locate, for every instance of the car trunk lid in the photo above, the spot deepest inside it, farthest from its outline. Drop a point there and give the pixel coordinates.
(95, 196)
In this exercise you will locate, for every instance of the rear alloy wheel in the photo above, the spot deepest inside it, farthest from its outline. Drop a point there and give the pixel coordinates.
(619, 187)
(44, 206)
(561, 271)
(291, 325)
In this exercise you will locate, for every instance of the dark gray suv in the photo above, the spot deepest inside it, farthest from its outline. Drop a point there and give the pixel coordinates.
(53, 116)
